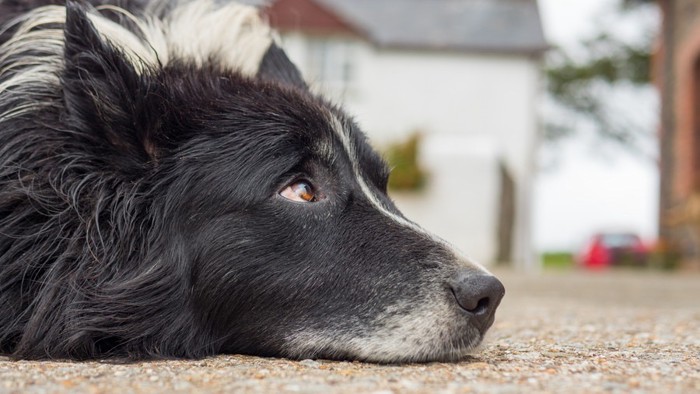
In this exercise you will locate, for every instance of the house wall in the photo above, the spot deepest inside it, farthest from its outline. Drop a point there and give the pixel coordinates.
(448, 93)
(474, 110)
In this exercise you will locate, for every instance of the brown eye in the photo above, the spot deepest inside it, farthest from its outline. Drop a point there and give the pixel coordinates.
(300, 191)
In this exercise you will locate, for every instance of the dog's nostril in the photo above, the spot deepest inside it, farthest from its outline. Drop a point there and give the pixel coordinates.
(481, 307)
(470, 304)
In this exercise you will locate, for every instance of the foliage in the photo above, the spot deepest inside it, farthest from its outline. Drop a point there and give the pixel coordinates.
(661, 257)
(665, 256)
(579, 85)
(406, 174)
(610, 61)
(557, 260)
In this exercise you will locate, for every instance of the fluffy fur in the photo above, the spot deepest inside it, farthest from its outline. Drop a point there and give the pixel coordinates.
(142, 154)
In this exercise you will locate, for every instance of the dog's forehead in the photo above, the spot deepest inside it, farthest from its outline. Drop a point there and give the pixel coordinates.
(322, 129)
(348, 143)
(341, 139)
(327, 145)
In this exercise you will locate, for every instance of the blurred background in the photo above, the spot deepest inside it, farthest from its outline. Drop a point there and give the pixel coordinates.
(528, 133)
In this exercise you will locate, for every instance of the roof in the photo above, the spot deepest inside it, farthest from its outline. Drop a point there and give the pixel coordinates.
(309, 16)
(509, 26)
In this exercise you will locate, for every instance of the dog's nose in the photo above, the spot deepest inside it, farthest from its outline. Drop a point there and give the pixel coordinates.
(478, 294)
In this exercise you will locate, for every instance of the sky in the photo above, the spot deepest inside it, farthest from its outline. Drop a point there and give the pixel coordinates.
(586, 191)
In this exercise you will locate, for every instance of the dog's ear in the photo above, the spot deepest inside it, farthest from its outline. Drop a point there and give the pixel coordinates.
(276, 66)
(105, 97)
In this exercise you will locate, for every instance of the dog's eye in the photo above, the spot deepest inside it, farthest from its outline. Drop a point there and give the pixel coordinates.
(300, 191)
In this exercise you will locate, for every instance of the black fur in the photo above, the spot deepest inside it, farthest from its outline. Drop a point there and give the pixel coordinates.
(140, 216)
(276, 65)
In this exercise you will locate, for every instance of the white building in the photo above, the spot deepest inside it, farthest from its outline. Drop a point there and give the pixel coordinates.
(466, 74)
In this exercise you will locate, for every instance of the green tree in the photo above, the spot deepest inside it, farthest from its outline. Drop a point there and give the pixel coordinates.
(406, 173)
(578, 84)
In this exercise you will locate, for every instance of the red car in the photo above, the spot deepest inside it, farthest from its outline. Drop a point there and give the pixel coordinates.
(608, 249)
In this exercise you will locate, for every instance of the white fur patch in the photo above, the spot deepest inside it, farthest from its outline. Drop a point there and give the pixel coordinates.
(199, 31)
(28, 82)
(426, 332)
(233, 34)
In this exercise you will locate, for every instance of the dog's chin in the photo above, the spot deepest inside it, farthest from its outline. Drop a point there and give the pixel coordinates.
(410, 339)
(459, 349)
(456, 354)
(447, 353)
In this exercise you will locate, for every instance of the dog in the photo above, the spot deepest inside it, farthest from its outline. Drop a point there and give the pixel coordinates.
(171, 188)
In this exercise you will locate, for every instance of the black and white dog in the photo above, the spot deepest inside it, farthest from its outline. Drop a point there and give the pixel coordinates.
(169, 187)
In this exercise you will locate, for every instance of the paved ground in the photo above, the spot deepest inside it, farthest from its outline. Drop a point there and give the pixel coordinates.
(560, 333)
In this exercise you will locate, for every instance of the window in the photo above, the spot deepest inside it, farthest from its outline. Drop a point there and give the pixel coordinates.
(330, 65)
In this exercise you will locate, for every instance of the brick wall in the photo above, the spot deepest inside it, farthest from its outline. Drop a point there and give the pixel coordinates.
(677, 74)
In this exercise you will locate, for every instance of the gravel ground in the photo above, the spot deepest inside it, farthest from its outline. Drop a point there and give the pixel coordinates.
(558, 332)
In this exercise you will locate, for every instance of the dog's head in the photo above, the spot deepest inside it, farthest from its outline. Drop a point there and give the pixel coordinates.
(269, 201)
